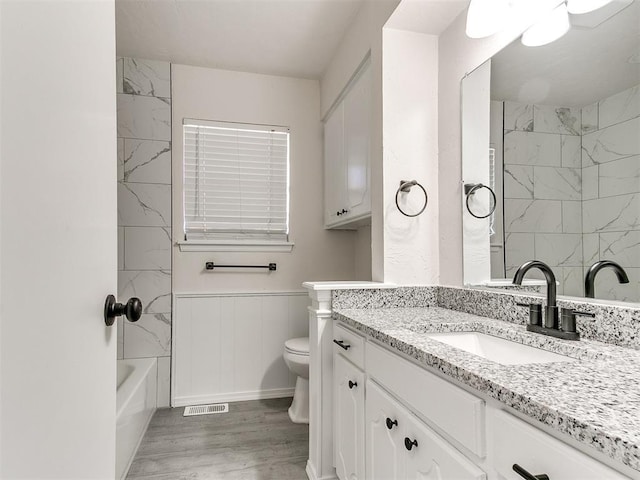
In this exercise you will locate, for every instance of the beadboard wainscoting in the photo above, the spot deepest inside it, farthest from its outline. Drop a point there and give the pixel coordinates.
(228, 347)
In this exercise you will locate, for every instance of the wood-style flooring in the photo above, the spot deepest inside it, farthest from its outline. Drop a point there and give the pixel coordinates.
(254, 441)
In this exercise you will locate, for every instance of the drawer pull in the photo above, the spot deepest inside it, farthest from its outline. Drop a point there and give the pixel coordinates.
(410, 444)
(352, 384)
(341, 344)
(391, 423)
(524, 474)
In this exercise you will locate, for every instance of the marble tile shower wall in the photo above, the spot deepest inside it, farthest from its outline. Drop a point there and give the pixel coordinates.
(543, 190)
(611, 190)
(144, 210)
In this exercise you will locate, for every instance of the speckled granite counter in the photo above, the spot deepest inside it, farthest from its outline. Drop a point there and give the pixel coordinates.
(595, 399)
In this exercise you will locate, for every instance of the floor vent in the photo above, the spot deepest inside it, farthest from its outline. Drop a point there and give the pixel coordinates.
(206, 409)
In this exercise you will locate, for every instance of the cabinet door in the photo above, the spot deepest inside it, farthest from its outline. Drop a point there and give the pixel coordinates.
(349, 419)
(335, 177)
(384, 421)
(357, 127)
(428, 456)
(517, 442)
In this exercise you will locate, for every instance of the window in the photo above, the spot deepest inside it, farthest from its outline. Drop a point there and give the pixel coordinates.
(236, 184)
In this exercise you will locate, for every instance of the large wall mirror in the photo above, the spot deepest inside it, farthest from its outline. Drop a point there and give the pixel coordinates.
(562, 155)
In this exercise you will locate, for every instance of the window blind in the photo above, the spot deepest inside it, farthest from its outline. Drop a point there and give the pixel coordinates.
(236, 181)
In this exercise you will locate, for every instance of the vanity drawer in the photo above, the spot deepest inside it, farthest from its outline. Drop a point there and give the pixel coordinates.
(349, 344)
(516, 442)
(454, 411)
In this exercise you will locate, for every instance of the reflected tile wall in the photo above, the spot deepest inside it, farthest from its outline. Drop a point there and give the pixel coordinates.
(611, 191)
(146, 77)
(572, 187)
(144, 210)
(552, 119)
(543, 189)
(619, 108)
(611, 143)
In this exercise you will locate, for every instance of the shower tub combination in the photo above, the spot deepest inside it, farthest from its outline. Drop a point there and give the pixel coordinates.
(135, 405)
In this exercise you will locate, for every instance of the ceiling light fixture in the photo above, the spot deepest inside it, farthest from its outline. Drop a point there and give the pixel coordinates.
(486, 17)
(548, 29)
(577, 7)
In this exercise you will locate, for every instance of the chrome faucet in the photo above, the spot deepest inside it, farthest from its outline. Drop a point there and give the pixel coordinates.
(551, 310)
(549, 325)
(590, 277)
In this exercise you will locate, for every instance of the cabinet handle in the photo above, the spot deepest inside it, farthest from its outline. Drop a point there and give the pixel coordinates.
(344, 211)
(341, 344)
(352, 384)
(338, 213)
(410, 444)
(524, 474)
(391, 423)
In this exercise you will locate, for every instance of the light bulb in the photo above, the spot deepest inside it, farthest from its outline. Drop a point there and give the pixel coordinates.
(548, 29)
(577, 7)
(486, 17)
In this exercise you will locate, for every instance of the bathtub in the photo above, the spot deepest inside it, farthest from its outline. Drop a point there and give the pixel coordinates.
(135, 404)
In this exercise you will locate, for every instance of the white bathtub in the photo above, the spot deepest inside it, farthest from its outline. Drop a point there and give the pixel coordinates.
(135, 404)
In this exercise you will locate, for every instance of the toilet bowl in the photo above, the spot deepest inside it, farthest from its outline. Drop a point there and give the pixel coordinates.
(296, 356)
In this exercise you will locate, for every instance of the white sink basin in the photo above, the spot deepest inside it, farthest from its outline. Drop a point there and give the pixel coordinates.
(498, 349)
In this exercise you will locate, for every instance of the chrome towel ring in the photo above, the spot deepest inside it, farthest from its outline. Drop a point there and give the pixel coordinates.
(470, 189)
(405, 187)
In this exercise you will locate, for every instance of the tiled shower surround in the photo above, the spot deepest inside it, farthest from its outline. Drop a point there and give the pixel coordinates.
(144, 210)
(572, 190)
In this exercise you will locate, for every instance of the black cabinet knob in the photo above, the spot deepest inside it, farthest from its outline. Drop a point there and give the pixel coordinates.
(344, 211)
(524, 474)
(338, 213)
(391, 423)
(352, 384)
(112, 309)
(409, 444)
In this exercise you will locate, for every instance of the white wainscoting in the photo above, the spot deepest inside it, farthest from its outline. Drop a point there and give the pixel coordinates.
(228, 347)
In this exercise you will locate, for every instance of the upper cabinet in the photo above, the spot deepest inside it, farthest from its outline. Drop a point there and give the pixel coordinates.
(347, 135)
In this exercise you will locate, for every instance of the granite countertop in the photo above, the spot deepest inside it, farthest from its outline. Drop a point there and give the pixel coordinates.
(594, 399)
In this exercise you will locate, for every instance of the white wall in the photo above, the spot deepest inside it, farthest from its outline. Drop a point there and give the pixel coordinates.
(476, 100)
(364, 35)
(229, 347)
(410, 139)
(459, 55)
(318, 254)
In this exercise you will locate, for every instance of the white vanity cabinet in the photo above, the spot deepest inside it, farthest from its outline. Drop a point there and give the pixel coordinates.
(516, 442)
(348, 415)
(346, 156)
(396, 420)
(400, 446)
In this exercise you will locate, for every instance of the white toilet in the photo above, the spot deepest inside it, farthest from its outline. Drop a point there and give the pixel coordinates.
(296, 356)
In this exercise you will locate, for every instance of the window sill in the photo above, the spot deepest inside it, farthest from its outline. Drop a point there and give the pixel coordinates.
(226, 246)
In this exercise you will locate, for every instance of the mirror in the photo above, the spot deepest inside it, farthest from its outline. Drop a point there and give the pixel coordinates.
(562, 154)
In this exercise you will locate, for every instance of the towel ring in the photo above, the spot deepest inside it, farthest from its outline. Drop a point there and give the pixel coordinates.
(471, 189)
(405, 187)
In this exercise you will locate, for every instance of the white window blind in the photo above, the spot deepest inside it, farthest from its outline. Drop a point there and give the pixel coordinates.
(236, 181)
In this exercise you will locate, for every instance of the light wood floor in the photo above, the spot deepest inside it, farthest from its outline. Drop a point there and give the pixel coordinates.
(254, 441)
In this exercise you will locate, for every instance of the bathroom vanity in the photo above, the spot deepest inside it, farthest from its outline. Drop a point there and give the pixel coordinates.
(406, 403)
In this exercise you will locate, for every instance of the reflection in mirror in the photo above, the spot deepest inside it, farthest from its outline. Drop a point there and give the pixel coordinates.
(565, 129)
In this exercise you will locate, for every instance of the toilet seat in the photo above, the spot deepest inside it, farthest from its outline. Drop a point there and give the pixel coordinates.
(298, 346)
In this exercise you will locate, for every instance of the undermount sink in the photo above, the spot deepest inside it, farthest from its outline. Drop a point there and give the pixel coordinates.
(498, 349)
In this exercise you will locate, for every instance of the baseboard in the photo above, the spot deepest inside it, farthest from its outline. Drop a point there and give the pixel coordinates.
(311, 473)
(232, 397)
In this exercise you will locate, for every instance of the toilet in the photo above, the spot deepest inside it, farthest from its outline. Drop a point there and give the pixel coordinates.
(296, 356)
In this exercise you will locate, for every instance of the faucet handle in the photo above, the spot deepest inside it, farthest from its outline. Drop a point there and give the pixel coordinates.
(535, 312)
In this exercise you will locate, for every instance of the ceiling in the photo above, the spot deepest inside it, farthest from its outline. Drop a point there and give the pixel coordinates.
(585, 65)
(294, 38)
(426, 16)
